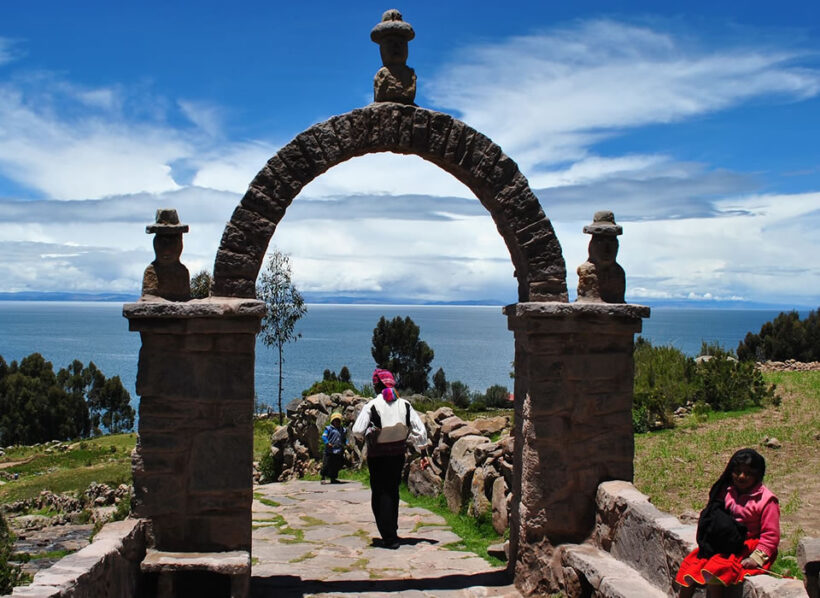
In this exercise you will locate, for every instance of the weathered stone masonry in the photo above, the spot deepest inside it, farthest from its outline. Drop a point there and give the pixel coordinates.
(192, 466)
(404, 129)
(573, 425)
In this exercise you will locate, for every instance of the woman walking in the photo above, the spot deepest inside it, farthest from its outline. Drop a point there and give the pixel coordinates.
(387, 422)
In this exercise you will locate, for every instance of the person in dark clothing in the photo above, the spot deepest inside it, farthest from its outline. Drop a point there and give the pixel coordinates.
(335, 439)
(387, 422)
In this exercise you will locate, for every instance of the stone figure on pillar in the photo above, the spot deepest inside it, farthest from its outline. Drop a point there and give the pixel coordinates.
(395, 81)
(601, 279)
(166, 277)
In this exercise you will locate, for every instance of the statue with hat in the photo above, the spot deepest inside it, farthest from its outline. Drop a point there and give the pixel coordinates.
(395, 81)
(601, 279)
(166, 277)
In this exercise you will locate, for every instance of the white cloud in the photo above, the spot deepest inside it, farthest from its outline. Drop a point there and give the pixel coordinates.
(8, 51)
(396, 225)
(547, 98)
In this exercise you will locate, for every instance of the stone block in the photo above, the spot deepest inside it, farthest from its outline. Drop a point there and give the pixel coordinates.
(328, 140)
(421, 119)
(286, 172)
(227, 285)
(313, 155)
(221, 460)
(254, 221)
(440, 131)
(808, 557)
(607, 577)
(276, 181)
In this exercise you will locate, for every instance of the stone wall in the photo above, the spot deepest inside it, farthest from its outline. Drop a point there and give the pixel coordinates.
(192, 466)
(109, 567)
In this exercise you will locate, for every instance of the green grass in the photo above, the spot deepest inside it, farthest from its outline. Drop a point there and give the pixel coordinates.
(476, 534)
(262, 431)
(105, 460)
(676, 467)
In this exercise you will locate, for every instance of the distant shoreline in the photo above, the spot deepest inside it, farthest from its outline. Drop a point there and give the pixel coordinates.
(36, 296)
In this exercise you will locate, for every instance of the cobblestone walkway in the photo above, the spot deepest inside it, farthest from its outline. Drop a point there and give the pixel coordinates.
(317, 540)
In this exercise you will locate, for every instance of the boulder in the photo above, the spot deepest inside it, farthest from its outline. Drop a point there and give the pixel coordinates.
(488, 426)
(461, 432)
(459, 477)
(500, 506)
(442, 413)
(424, 482)
(450, 424)
(481, 491)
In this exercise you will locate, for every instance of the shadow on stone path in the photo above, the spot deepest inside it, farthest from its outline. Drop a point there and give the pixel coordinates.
(318, 541)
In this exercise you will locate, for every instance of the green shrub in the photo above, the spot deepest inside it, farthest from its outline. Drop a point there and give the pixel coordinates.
(270, 468)
(664, 381)
(10, 573)
(726, 384)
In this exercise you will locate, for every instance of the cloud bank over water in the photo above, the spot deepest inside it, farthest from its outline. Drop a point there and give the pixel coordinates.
(84, 168)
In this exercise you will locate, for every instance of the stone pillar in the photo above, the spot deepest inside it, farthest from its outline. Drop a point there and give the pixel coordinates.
(192, 466)
(573, 425)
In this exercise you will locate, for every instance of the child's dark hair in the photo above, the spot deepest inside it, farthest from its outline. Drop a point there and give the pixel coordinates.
(746, 456)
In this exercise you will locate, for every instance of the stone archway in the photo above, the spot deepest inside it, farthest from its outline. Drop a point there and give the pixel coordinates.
(573, 361)
(403, 129)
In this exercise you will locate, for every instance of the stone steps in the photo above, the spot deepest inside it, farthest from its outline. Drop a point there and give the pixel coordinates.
(606, 577)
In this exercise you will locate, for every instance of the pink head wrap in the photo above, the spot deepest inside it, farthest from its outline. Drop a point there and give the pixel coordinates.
(386, 378)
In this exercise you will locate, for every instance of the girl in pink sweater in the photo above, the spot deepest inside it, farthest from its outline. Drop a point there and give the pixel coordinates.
(741, 493)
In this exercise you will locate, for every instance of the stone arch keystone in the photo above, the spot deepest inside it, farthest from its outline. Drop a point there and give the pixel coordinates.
(466, 154)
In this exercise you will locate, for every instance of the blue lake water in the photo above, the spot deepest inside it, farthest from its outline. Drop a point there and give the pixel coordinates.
(471, 344)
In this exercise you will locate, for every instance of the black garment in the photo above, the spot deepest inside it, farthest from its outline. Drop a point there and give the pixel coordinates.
(385, 477)
(331, 464)
(719, 532)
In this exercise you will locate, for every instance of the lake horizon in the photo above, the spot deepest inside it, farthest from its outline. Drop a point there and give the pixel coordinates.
(471, 342)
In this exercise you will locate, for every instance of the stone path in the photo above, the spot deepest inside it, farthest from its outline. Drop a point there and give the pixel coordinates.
(318, 541)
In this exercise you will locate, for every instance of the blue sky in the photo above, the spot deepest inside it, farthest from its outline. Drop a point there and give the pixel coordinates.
(696, 123)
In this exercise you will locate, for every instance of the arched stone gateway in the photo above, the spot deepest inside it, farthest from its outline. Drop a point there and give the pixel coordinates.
(468, 155)
(573, 361)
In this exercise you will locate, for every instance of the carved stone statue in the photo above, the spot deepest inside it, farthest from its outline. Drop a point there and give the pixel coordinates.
(166, 277)
(395, 81)
(601, 278)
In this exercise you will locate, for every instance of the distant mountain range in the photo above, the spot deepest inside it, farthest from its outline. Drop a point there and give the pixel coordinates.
(323, 299)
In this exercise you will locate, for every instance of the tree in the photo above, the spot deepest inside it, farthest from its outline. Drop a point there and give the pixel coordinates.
(440, 383)
(497, 396)
(460, 394)
(785, 337)
(37, 405)
(284, 306)
(344, 374)
(201, 285)
(397, 347)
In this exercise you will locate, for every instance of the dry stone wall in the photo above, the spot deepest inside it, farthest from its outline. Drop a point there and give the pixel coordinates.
(465, 465)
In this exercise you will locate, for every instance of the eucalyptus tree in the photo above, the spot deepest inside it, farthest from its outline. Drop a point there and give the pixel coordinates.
(284, 306)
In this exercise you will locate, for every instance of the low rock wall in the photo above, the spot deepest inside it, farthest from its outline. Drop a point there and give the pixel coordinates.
(654, 543)
(109, 567)
(471, 470)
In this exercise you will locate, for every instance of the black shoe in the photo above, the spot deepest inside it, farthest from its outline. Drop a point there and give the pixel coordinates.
(392, 544)
(335, 482)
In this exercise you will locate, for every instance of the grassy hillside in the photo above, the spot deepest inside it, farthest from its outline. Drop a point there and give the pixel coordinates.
(677, 467)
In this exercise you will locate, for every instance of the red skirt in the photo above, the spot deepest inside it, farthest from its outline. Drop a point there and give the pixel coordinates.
(718, 569)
